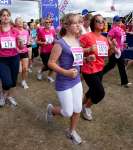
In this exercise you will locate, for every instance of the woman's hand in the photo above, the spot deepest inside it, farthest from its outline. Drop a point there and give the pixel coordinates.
(93, 48)
(91, 58)
(72, 73)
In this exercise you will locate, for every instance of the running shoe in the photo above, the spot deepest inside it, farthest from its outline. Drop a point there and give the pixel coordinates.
(39, 75)
(87, 113)
(24, 84)
(30, 70)
(12, 101)
(74, 136)
(127, 85)
(49, 114)
(50, 79)
(2, 100)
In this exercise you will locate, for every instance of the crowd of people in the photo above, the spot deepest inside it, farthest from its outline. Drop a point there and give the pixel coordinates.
(76, 48)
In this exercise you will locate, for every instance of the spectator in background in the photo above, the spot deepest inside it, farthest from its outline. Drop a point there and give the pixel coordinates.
(86, 22)
(31, 20)
(41, 23)
(34, 45)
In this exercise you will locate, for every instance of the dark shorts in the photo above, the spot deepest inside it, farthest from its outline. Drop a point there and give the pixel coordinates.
(23, 55)
(45, 58)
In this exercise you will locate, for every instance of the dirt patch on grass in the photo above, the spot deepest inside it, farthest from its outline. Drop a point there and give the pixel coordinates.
(24, 127)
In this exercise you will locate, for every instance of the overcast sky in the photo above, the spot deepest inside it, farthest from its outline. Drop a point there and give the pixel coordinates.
(26, 9)
(120, 5)
(30, 9)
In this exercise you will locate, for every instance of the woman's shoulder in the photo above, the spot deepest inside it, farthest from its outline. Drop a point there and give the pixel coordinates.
(59, 41)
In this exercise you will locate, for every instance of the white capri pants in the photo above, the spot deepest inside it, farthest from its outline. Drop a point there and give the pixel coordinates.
(71, 100)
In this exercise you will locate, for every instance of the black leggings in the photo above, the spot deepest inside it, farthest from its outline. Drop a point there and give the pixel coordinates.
(96, 90)
(121, 67)
(45, 58)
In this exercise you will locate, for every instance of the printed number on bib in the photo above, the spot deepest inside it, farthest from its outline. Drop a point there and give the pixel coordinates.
(102, 48)
(49, 39)
(8, 42)
(77, 55)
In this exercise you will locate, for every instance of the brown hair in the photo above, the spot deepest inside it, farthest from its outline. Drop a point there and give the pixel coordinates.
(66, 21)
(92, 22)
(4, 10)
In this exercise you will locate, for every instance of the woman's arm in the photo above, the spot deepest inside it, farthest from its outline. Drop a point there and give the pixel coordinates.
(52, 63)
(89, 49)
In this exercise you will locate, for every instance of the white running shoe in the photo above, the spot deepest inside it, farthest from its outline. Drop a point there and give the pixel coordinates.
(50, 79)
(127, 85)
(24, 84)
(49, 114)
(74, 136)
(2, 100)
(39, 75)
(30, 70)
(12, 101)
(87, 113)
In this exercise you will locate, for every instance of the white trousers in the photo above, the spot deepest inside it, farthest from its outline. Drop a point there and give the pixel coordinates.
(71, 100)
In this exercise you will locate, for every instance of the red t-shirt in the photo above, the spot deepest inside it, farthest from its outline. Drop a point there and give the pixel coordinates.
(87, 40)
(46, 35)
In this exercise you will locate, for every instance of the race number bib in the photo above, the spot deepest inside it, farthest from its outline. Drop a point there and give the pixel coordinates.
(49, 39)
(23, 39)
(8, 42)
(102, 48)
(77, 55)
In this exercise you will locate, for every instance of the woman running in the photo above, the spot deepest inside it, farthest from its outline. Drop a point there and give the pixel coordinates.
(118, 35)
(95, 49)
(46, 36)
(69, 55)
(23, 40)
(9, 58)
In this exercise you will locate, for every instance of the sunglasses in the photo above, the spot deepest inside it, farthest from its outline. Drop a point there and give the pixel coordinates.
(99, 21)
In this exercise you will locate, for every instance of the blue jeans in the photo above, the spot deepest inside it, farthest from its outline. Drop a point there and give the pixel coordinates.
(9, 69)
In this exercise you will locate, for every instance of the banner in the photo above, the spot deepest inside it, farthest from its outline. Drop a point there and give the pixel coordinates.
(49, 8)
(5, 2)
(63, 5)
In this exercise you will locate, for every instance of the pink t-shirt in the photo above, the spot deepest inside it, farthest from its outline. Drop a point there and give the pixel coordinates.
(8, 43)
(119, 35)
(46, 35)
(22, 40)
